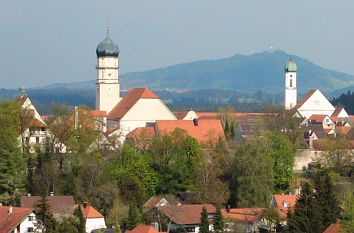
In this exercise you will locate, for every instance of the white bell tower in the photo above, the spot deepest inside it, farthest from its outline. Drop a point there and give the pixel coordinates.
(290, 85)
(107, 85)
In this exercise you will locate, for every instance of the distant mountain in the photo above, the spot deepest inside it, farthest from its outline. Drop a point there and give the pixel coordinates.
(246, 73)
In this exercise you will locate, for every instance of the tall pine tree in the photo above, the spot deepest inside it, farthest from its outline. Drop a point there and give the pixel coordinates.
(218, 222)
(134, 217)
(204, 222)
(44, 217)
(306, 217)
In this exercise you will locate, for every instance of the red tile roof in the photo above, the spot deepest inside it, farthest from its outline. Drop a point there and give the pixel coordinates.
(237, 115)
(290, 199)
(128, 102)
(180, 115)
(143, 229)
(343, 130)
(90, 212)
(337, 111)
(60, 205)
(9, 221)
(98, 113)
(305, 98)
(317, 117)
(334, 228)
(250, 215)
(142, 133)
(186, 214)
(206, 131)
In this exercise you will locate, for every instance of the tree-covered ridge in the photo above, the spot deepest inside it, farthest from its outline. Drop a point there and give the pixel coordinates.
(346, 100)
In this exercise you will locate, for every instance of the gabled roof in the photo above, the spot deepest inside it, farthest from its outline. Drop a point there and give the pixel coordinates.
(250, 215)
(343, 130)
(337, 111)
(154, 200)
(186, 214)
(318, 130)
(60, 205)
(98, 113)
(90, 212)
(143, 229)
(142, 133)
(305, 98)
(180, 115)
(125, 104)
(289, 199)
(205, 131)
(9, 221)
(317, 117)
(334, 228)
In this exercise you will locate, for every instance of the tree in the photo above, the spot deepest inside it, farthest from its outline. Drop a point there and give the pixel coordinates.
(252, 175)
(326, 199)
(204, 222)
(218, 221)
(283, 155)
(80, 224)
(306, 217)
(348, 220)
(134, 217)
(12, 177)
(44, 217)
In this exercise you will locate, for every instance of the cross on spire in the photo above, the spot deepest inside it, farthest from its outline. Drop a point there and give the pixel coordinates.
(108, 25)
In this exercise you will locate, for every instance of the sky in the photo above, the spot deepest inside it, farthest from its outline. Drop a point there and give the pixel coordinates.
(44, 42)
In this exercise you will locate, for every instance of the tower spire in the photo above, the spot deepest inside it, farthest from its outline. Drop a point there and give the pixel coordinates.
(108, 25)
(22, 91)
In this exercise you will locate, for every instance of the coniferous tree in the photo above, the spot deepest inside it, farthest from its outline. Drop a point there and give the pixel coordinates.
(80, 224)
(326, 198)
(306, 217)
(204, 223)
(134, 217)
(218, 222)
(44, 217)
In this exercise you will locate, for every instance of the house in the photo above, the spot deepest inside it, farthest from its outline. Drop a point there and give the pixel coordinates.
(187, 216)
(340, 116)
(139, 108)
(206, 132)
(162, 200)
(324, 120)
(284, 200)
(243, 219)
(143, 229)
(17, 220)
(334, 228)
(93, 219)
(61, 206)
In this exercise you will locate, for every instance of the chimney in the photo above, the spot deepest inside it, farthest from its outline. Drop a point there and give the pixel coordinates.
(51, 194)
(228, 208)
(195, 121)
(10, 210)
(85, 204)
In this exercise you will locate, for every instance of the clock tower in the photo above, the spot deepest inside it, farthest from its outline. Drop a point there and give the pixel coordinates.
(107, 84)
(290, 85)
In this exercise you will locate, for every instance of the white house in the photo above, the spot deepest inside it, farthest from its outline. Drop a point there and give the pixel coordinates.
(92, 218)
(17, 220)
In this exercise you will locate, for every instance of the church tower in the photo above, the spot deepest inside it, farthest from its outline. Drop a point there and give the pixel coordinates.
(290, 85)
(107, 84)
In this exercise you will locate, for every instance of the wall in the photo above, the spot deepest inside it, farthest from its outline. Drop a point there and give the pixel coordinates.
(94, 223)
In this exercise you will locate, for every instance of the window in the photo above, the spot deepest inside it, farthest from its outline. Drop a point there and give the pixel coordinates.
(30, 218)
(30, 229)
(291, 82)
(37, 140)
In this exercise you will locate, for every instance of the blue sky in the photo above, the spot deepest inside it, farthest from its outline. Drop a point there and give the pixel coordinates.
(45, 42)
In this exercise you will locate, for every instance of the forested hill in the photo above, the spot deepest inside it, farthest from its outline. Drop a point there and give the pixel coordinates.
(243, 73)
(346, 100)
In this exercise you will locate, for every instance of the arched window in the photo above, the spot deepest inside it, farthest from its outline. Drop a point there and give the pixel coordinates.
(291, 82)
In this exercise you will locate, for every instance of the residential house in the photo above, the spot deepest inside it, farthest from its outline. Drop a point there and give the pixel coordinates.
(17, 220)
(187, 216)
(161, 200)
(143, 229)
(60, 206)
(93, 219)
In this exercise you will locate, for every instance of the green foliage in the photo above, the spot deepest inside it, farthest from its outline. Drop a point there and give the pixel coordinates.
(252, 175)
(173, 157)
(282, 153)
(80, 224)
(326, 199)
(12, 164)
(218, 222)
(306, 217)
(204, 222)
(348, 220)
(136, 179)
(134, 217)
(44, 216)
